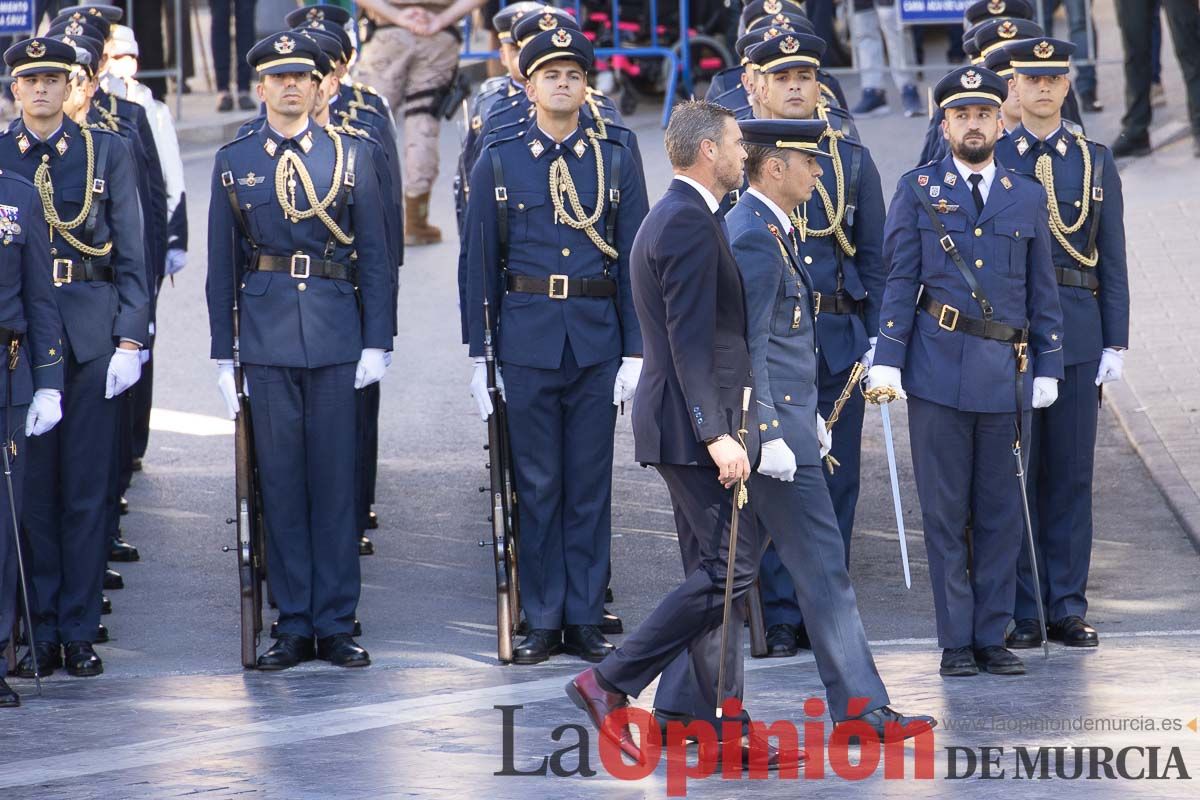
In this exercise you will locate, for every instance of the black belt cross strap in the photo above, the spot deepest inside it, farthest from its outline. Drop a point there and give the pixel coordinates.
(501, 193)
(1097, 189)
(950, 318)
(98, 188)
(561, 287)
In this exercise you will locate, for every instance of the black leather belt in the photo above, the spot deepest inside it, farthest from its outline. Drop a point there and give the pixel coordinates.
(560, 287)
(838, 304)
(949, 319)
(302, 266)
(1082, 279)
(68, 270)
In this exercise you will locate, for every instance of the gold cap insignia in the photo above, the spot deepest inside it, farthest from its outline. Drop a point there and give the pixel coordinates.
(285, 45)
(548, 22)
(971, 79)
(74, 29)
(1043, 49)
(949, 179)
(316, 13)
(781, 20)
(1007, 29)
(773, 6)
(771, 33)
(996, 7)
(561, 39)
(536, 147)
(580, 148)
(789, 45)
(35, 49)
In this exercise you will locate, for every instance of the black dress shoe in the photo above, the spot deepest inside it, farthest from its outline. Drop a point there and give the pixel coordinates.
(610, 623)
(121, 550)
(124, 504)
(892, 726)
(1126, 145)
(105, 605)
(538, 646)
(49, 658)
(1026, 634)
(341, 650)
(113, 580)
(8, 698)
(998, 661)
(781, 641)
(958, 662)
(1073, 632)
(136, 465)
(587, 642)
(1089, 103)
(288, 650)
(101, 634)
(244, 102)
(365, 546)
(372, 521)
(608, 595)
(82, 661)
(665, 718)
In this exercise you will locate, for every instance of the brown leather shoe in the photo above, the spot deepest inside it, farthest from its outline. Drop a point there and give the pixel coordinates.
(589, 696)
(417, 230)
(712, 753)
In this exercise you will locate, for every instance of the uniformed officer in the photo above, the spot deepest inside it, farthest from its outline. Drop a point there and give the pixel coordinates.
(972, 322)
(89, 193)
(1000, 62)
(842, 227)
(1086, 221)
(552, 214)
(790, 496)
(31, 403)
(311, 275)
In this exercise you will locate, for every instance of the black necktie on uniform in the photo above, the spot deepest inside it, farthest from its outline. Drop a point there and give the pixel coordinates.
(975, 179)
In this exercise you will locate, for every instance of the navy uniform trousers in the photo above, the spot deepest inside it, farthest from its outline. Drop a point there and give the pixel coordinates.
(8, 551)
(305, 436)
(1061, 455)
(68, 483)
(963, 464)
(561, 422)
(687, 622)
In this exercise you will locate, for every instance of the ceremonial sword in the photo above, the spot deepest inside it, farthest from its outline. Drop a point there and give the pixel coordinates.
(875, 396)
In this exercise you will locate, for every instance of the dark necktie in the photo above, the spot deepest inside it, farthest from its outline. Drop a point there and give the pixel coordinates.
(975, 180)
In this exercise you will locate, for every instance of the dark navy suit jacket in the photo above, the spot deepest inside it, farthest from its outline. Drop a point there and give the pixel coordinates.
(690, 303)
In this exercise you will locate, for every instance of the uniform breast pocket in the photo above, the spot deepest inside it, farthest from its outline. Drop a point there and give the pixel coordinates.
(1013, 236)
(933, 252)
(257, 206)
(522, 208)
(793, 310)
(70, 202)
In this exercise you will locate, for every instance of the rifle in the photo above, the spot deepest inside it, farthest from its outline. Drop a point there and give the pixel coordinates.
(503, 516)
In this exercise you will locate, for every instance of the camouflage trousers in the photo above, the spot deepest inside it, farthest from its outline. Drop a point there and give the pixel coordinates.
(412, 72)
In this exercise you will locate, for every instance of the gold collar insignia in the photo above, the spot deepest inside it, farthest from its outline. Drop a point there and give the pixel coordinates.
(537, 148)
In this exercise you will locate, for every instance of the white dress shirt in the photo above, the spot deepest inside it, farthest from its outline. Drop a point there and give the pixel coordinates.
(784, 221)
(713, 205)
(988, 173)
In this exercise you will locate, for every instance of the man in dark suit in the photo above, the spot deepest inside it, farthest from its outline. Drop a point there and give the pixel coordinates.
(689, 301)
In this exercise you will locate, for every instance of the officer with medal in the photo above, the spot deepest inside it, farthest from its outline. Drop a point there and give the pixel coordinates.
(31, 383)
(85, 178)
(841, 228)
(296, 230)
(552, 214)
(784, 162)
(1083, 191)
(971, 332)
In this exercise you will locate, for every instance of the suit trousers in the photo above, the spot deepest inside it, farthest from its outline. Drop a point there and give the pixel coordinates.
(1062, 451)
(688, 620)
(1135, 18)
(561, 422)
(68, 486)
(964, 467)
(305, 442)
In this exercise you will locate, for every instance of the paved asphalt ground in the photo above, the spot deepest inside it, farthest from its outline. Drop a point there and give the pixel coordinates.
(175, 715)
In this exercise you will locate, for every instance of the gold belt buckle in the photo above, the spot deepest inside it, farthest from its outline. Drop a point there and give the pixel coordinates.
(559, 288)
(301, 258)
(59, 277)
(948, 310)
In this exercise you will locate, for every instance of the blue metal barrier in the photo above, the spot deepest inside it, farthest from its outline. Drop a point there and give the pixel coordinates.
(678, 64)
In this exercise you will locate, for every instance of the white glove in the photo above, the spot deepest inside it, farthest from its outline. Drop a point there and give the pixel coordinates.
(227, 387)
(45, 411)
(777, 461)
(176, 260)
(1112, 366)
(880, 375)
(124, 369)
(868, 358)
(144, 355)
(627, 379)
(1045, 392)
(371, 366)
(479, 390)
(387, 359)
(824, 436)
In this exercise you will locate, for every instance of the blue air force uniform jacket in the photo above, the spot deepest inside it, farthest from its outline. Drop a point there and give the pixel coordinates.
(780, 329)
(532, 329)
(291, 321)
(96, 315)
(27, 294)
(1007, 247)
(1091, 320)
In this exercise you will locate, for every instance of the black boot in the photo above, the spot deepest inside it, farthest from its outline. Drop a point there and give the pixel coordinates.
(998, 661)
(113, 580)
(372, 521)
(365, 546)
(82, 661)
(610, 623)
(341, 650)
(781, 641)
(1127, 145)
(121, 550)
(105, 605)
(49, 658)
(288, 650)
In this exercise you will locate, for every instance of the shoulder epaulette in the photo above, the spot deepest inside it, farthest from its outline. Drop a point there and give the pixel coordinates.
(362, 87)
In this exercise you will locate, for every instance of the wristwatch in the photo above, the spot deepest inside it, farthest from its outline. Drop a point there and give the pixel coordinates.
(708, 442)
